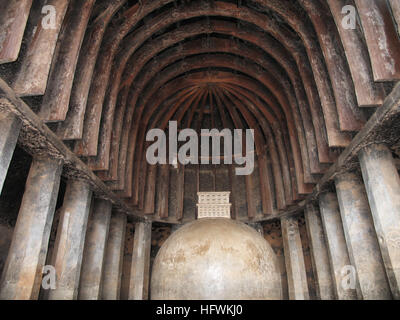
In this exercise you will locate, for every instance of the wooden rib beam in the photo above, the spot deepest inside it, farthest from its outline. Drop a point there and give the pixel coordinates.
(35, 67)
(381, 37)
(56, 99)
(13, 18)
(72, 127)
(368, 92)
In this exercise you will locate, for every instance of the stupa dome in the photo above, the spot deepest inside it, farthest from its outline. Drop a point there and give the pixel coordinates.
(216, 258)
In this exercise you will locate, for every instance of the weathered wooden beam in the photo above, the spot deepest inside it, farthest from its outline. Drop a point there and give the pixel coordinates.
(350, 116)
(35, 67)
(37, 139)
(13, 18)
(56, 99)
(382, 39)
(368, 92)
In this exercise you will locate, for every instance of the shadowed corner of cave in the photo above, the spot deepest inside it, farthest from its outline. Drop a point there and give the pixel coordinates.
(84, 83)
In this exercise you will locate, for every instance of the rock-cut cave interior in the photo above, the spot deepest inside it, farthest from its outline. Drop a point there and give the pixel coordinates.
(84, 213)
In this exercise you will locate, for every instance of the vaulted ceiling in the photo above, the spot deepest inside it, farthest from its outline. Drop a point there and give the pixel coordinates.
(289, 69)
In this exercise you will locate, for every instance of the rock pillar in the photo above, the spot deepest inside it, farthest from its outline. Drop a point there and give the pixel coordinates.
(70, 240)
(113, 261)
(319, 253)
(362, 243)
(139, 281)
(294, 260)
(22, 274)
(94, 252)
(382, 184)
(336, 244)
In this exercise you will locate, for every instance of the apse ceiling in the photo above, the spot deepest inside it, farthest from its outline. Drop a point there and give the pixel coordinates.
(287, 69)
